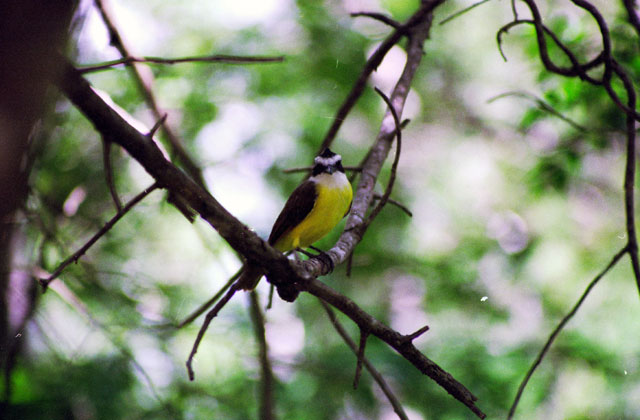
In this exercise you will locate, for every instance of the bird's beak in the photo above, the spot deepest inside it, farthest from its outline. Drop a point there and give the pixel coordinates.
(331, 169)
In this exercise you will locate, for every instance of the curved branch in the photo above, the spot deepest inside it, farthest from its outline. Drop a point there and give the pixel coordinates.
(400, 343)
(107, 226)
(559, 328)
(144, 85)
(217, 58)
(632, 15)
(423, 14)
(355, 227)
(397, 407)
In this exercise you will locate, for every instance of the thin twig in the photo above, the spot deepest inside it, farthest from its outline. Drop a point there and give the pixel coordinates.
(378, 16)
(270, 299)
(108, 173)
(349, 264)
(611, 68)
(107, 226)
(372, 64)
(267, 407)
(157, 125)
(352, 178)
(462, 12)
(576, 68)
(559, 328)
(216, 58)
(144, 84)
(207, 320)
(394, 339)
(70, 298)
(394, 166)
(360, 356)
(195, 314)
(395, 203)
(514, 10)
(386, 390)
(630, 174)
(417, 333)
(542, 105)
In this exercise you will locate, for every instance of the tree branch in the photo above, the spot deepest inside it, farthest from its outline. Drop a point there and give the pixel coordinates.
(395, 403)
(267, 409)
(394, 339)
(107, 226)
(611, 68)
(207, 320)
(216, 58)
(632, 15)
(145, 88)
(559, 328)
(423, 14)
(108, 173)
(542, 105)
(355, 226)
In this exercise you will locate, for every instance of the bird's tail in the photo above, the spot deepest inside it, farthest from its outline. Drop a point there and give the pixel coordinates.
(250, 277)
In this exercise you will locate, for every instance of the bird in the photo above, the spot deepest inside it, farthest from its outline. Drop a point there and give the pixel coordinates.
(313, 209)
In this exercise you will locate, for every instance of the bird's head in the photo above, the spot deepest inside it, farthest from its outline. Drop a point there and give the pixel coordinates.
(327, 162)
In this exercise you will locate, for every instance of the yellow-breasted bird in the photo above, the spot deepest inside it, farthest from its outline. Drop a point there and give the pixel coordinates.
(314, 208)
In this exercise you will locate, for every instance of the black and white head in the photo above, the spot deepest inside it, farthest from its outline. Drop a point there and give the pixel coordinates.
(327, 163)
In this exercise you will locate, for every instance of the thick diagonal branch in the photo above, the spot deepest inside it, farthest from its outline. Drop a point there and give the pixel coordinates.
(379, 151)
(176, 145)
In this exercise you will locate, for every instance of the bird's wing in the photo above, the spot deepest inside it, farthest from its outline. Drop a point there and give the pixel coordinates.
(298, 206)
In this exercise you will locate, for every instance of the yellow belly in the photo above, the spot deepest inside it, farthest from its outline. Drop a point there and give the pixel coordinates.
(330, 207)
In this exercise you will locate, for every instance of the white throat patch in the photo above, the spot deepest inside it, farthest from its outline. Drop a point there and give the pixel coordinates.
(335, 180)
(327, 161)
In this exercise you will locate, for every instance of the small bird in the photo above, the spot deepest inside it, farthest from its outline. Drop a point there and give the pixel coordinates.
(314, 208)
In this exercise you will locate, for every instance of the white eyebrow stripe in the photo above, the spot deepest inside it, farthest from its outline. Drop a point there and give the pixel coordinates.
(327, 161)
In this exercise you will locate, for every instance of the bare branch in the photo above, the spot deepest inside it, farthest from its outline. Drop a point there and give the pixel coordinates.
(462, 12)
(559, 328)
(417, 333)
(630, 174)
(396, 160)
(395, 203)
(372, 164)
(423, 13)
(146, 152)
(108, 173)
(395, 403)
(360, 356)
(157, 125)
(542, 105)
(207, 320)
(107, 226)
(195, 314)
(144, 84)
(216, 58)
(632, 15)
(611, 68)
(267, 409)
(395, 340)
(379, 17)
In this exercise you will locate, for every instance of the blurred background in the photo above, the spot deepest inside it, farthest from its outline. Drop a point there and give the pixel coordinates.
(514, 209)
